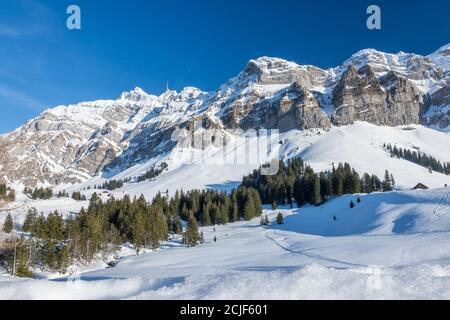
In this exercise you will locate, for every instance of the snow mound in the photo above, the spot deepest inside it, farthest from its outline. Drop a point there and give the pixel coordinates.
(310, 282)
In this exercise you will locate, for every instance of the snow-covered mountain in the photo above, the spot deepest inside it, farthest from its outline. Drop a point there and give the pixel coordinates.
(105, 138)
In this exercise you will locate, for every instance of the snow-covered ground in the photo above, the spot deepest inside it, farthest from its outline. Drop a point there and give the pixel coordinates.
(360, 144)
(392, 245)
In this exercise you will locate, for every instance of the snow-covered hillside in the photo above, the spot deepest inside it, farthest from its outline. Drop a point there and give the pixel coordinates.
(391, 245)
(360, 144)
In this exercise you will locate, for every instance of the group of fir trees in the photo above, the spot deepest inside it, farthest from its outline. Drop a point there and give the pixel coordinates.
(76, 195)
(419, 158)
(112, 185)
(16, 257)
(39, 193)
(97, 231)
(3, 189)
(7, 194)
(210, 207)
(62, 194)
(295, 181)
(153, 172)
(55, 243)
(8, 224)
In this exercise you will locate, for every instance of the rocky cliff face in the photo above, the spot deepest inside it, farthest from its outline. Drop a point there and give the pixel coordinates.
(437, 115)
(389, 100)
(69, 144)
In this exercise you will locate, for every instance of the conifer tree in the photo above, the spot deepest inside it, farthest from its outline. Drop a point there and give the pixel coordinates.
(21, 260)
(274, 205)
(63, 259)
(280, 218)
(317, 198)
(192, 236)
(387, 183)
(30, 220)
(8, 225)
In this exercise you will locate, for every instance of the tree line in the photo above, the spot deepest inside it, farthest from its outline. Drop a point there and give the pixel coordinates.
(210, 207)
(419, 158)
(39, 193)
(153, 172)
(7, 194)
(297, 182)
(54, 243)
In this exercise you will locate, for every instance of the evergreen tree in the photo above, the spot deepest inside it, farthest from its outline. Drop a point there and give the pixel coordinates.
(274, 205)
(63, 259)
(387, 183)
(352, 205)
(280, 218)
(8, 225)
(202, 238)
(19, 255)
(317, 198)
(192, 237)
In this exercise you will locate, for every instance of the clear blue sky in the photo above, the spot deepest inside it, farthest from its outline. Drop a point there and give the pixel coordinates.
(199, 43)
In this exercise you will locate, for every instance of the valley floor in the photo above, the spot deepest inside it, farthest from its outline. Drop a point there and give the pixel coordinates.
(390, 246)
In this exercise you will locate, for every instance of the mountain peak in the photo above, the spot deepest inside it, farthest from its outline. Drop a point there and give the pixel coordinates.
(444, 49)
(269, 63)
(136, 95)
(442, 57)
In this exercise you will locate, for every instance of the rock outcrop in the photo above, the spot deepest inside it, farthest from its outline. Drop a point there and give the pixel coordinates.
(391, 100)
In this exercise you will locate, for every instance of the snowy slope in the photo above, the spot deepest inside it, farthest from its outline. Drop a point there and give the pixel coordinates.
(442, 57)
(393, 245)
(360, 144)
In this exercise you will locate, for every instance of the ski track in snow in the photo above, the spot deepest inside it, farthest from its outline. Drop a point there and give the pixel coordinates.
(309, 255)
(443, 208)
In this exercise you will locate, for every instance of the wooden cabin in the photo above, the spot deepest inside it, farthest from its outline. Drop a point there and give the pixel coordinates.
(420, 186)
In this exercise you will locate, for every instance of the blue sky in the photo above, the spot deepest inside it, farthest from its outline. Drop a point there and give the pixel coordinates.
(202, 43)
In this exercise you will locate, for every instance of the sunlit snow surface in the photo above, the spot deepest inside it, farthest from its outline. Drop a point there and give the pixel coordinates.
(392, 245)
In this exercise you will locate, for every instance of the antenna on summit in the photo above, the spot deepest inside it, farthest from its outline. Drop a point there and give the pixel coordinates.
(167, 87)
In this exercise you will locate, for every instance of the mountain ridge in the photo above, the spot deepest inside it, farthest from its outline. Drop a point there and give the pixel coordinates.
(69, 144)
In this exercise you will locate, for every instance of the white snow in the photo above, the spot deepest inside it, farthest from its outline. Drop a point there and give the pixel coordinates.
(360, 144)
(390, 246)
(442, 57)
